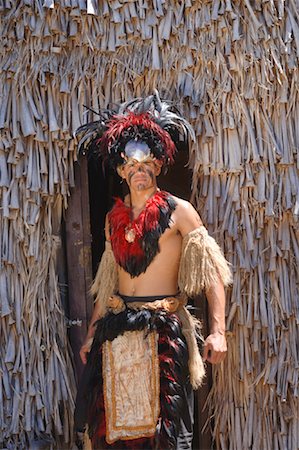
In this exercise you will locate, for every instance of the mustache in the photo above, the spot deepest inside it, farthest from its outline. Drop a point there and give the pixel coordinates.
(144, 171)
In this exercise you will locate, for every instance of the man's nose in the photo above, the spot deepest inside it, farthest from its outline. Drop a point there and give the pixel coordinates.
(140, 168)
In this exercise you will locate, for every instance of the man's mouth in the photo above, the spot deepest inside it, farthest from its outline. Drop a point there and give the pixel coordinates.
(139, 178)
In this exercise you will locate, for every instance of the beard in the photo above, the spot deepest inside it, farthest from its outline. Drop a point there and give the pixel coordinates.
(142, 186)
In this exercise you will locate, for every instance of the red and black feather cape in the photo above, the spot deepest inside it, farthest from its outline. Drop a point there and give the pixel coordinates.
(134, 257)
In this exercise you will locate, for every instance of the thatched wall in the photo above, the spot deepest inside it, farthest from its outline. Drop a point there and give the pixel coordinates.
(232, 67)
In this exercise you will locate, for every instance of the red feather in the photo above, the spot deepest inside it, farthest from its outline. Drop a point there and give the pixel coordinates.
(118, 124)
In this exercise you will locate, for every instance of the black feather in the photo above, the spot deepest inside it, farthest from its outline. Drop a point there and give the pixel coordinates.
(161, 112)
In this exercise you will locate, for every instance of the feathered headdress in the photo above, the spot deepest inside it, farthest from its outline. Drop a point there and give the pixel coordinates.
(149, 119)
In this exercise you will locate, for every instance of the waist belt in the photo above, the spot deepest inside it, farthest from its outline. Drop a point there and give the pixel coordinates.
(146, 299)
(170, 303)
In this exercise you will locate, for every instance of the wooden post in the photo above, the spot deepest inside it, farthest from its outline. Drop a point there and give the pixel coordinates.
(78, 251)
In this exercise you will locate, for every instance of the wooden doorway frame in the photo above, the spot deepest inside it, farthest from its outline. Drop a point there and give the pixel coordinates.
(78, 253)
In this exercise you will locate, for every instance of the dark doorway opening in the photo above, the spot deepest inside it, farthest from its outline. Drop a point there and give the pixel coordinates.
(104, 186)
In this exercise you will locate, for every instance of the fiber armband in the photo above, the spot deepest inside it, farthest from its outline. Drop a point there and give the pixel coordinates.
(202, 263)
(105, 283)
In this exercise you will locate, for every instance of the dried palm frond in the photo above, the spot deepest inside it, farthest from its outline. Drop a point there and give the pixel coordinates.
(231, 69)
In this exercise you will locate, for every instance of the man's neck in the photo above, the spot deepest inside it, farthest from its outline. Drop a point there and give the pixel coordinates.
(138, 199)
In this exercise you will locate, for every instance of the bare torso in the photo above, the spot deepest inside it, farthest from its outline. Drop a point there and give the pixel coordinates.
(161, 276)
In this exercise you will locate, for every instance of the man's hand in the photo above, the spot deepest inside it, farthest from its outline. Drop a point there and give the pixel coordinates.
(215, 348)
(85, 349)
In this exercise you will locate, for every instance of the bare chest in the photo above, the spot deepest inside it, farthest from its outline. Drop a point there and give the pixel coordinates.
(160, 277)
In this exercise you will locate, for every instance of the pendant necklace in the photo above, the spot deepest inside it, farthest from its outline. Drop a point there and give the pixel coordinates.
(130, 233)
(130, 230)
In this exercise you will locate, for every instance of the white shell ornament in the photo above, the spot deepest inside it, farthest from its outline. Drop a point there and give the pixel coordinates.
(130, 235)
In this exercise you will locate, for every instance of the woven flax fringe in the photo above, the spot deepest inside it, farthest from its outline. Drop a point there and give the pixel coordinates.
(202, 263)
(190, 329)
(106, 280)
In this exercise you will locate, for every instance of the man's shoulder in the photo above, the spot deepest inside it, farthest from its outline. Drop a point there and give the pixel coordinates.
(183, 206)
(185, 216)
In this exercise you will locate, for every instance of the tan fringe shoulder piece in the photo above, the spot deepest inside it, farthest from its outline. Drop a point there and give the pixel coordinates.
(106, 280)
(202, 263)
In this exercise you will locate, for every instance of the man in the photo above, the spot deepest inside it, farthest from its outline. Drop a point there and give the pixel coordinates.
(141, 351)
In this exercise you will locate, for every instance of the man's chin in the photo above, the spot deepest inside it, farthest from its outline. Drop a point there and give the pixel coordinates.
(141, 187)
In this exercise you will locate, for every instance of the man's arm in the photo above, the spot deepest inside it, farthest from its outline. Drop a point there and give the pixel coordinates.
(215, 346)
(85, 349)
